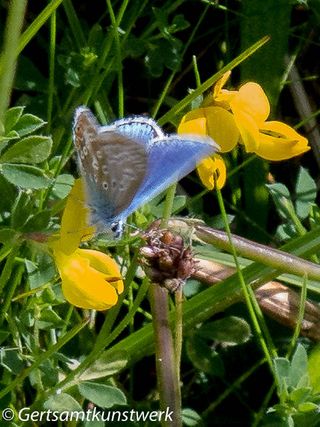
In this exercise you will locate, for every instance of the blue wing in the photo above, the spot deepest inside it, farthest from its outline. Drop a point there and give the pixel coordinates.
(169, 159)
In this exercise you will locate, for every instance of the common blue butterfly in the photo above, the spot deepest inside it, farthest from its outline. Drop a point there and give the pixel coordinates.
(127, 163)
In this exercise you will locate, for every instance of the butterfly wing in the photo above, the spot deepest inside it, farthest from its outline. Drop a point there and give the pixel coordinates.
(170, 159)
(141, 129)
(113, 167)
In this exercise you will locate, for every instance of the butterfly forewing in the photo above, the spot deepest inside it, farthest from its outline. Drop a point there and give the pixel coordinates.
(170, 159)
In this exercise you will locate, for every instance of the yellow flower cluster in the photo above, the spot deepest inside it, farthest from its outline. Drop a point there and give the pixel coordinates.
(90, 279)
(241, 116)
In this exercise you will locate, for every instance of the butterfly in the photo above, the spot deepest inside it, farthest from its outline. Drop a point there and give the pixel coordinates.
(127, 163)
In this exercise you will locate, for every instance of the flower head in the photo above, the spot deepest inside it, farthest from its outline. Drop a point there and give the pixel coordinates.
(241, 116)
(90, 279)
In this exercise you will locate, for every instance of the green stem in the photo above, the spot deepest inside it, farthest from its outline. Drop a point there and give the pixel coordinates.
(35, 26)
(53, 32)
(171, 191)
(10, 53)
(249, 297)
(119, 58)
(12, 285)
(8, 267)
(303, 298)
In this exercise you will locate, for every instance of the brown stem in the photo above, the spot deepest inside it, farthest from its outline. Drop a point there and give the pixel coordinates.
(275, 299)
(168, 385)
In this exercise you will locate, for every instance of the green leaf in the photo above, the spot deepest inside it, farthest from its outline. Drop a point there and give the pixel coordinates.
(204, 357)
(7, 235)
(24, 176)
(282, 366)
(231, 330)
(105, 366)
(28, 123)
(190, 417)
(102, 395)
(134, 46)
(282, 198)
(21, 210)
(314, 368)
(49, 319)
(94, 423)
(3, 335)
(165, 54)
(33, 149)
(11, 118)
(11, 360)
(179, 23)
(282, 369)
(299, 395)
(299, 366)
(28, 77)
(62, 402)
(306, 192)
(308, 407)
(285, 232)
(41, 271)
(179, 203)
(37, 222)
(9, 137)
(62, 185)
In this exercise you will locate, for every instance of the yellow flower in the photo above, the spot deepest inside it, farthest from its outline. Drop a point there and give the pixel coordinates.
(271, 140)
(230, 117)
(212, 172)
(90, 279)
(205, 121)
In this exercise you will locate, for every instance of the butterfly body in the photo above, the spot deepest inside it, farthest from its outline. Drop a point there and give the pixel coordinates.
(127, 163)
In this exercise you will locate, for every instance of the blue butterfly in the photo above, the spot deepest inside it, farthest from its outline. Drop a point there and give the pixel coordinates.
(126, 164)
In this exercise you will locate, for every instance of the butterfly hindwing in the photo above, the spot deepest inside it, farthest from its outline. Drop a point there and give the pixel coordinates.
(120, 164)
(141, 129)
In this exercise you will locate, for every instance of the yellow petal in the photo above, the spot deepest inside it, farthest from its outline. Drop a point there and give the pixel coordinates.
(222, 128)
(212, 172)
(104, 263)
(74, 222)
(251, 100)
(220, 83)
(279, 141)
(83, 285)
(248, 129)
(225, 98)
(193, 123)
(213, 121)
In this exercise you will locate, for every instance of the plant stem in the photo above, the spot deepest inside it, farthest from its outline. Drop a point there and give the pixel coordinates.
(10, 53)
(167, 374)
(275, 258)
